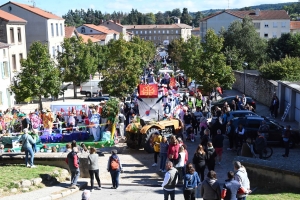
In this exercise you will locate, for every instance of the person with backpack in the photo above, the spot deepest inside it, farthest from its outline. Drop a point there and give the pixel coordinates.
(114, 166)
(191, 182)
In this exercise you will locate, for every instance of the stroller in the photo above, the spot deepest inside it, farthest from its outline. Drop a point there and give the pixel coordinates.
(189, 132)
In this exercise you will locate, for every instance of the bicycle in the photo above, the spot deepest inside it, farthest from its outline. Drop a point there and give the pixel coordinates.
(267, 152)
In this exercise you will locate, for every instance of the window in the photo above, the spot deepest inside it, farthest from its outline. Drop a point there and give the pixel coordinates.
(274, 24)
(167, 37)
(154, 31)
(266, 25)
(61, 30)
(253, 124)
(274, 35)
(266, 35)
(145, 37)
(149, 32)
(57, 34)
(20, 56)
(14, 63)
(163, 31)
(52, 30)
(91, 31)
(154, 38)
(167, 31)
(4, 53)
(158, 31)
(12, 37)
(19, 35)
(137, 32)
(176, 31)
(256, 25)
(172, 31)
(149, 37)
(53, 51)
(5, 73)
(57, 47)
(158, 37)
(141, 32)
(82, 30)
(145, 32)
(283, 24)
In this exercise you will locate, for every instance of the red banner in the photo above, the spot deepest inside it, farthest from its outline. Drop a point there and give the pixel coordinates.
(148, 91)
(172, 81)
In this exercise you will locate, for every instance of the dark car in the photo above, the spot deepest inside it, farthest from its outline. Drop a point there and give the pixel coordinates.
(97, 99)
(220, 103)
(251, 125)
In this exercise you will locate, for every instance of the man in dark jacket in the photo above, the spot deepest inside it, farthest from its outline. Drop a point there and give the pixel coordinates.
(230, 188)
(170, 181)
(230, 134)
(260, 144)
(73, 162)
(218, 145)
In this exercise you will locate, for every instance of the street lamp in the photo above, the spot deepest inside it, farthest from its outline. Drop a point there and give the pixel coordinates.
(245, 67)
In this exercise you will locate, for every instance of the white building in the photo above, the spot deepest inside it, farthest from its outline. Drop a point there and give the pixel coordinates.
(6, 98)
(99, 32)
(13, 29)
(268, 23)
(41, 25)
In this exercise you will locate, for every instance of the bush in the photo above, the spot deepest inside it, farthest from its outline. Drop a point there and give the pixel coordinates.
(287, 69)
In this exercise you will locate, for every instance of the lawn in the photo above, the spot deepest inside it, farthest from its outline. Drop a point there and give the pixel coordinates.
(12, 174)
(274, 194)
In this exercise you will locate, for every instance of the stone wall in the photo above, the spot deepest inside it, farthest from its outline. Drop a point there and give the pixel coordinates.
(258, 88)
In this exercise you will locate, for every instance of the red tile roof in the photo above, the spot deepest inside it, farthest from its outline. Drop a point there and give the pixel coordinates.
(36, 10)
(99, 37)
(86, 38)
(100, 28)
(158, 26)
(263, 14)
(10, 18)
(69, 30)
(196, 29)
(295, 25)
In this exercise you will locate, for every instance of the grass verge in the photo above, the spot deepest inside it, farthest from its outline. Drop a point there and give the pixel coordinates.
(274, 194)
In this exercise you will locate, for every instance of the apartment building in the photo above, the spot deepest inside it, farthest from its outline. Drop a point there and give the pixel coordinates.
(70, 31)
(268, 23)
(161, 34)
(295, 27)
(41, 25)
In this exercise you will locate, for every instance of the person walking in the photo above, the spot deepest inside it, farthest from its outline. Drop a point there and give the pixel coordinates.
(286, 140)
(210, 187)
(191, 182)
(241, 176)
(73, 162)
(114, 166)
(218, 144)
(156, 146)
(170, 181)
(94, 168)
(199, 161)
(122, 119)
(210, 158)
(27, 143)
(180, 165)
(230, 188)
(230, 134)
(173, 151)
(164, 145)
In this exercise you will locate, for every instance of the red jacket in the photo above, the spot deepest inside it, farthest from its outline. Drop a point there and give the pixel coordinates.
(173, 150)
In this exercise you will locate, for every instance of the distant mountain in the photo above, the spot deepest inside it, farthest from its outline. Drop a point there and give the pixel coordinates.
(278, 6)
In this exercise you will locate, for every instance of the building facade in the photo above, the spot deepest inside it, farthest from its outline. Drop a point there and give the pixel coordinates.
(295, 27)
(161, 34)
(41, 25)
(268, 23)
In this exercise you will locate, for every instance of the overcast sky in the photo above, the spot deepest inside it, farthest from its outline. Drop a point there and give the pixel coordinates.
(60, 7)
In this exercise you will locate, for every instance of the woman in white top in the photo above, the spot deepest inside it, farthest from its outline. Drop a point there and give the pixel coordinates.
(180, 164)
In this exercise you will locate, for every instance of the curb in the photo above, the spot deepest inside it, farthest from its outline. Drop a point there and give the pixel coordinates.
(64, 192)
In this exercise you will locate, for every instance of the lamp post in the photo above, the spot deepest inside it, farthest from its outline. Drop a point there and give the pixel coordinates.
(245, 67)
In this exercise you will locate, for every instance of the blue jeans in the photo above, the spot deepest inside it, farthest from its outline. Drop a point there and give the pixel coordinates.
(115, 178)
(171, 193)
(29, 151)
(74, 176)
(163, 159)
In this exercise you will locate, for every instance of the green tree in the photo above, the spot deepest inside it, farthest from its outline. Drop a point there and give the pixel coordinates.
(196, 19)
(185, 17)
(175, 50)
(38, 77)
(287, 69)
(243, 36)
(76, 61)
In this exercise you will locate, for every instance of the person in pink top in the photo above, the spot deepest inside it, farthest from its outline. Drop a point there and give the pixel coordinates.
(35, 121)
(173, 151)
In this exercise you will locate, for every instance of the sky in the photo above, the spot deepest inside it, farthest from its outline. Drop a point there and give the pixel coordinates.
(61, 7)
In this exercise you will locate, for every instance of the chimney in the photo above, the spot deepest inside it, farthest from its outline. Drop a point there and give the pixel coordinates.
(257, 11)
(178, 20)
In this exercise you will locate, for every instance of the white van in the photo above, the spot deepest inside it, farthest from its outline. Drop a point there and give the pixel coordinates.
(90, 88)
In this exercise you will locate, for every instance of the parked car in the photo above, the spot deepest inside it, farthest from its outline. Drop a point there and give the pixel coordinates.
(229, 99)
(240, 113)
(252, 123)
(97, 99)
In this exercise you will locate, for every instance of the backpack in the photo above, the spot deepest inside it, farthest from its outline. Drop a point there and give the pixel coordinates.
(114, 164)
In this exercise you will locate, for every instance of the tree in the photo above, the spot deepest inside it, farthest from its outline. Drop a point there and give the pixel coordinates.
(175, 49)
(38, 77)
(159, 18)
(196, 19)
(185, 17)
(76, 61)
(243, 36)
(176, 13)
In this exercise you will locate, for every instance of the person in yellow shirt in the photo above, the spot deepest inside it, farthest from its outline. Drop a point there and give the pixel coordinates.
(157, 138)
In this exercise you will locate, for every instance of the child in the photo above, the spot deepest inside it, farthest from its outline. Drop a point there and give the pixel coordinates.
(35, 136)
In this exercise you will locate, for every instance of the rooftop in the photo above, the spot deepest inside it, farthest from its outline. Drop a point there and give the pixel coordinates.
(10, 18)
(99, 37)
(158, 26)
(86, 38)
(295, 25)
(36, 10)
(100, 28)
(69, 30)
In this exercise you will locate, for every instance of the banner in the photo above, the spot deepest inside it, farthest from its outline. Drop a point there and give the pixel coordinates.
(172, 82)
(148, 91)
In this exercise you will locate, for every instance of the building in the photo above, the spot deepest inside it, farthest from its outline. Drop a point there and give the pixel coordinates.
(116, 26)
(196, 31)
(295, 26)
(268, 23)
(6, 98)
(70, 31)
(12, 32)
(41, 25)
(161, 34)
(101, 33)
